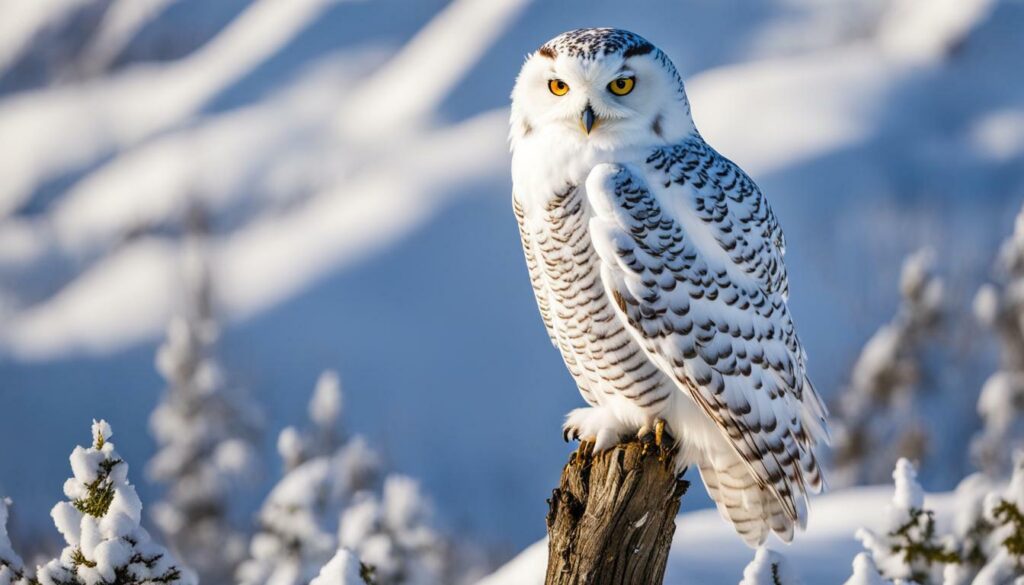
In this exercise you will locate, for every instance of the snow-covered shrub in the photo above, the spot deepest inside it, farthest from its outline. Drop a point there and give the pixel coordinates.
(985, 547)
(12, 568)
(1000, 306)
(877, 414)
(204, 430)
(100, 524)
(769, 568)
(909, 548)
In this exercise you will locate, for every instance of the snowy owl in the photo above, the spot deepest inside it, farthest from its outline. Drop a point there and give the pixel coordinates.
(657, 267)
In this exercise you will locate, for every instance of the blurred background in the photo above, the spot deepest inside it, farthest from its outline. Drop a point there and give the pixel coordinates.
(343, 167)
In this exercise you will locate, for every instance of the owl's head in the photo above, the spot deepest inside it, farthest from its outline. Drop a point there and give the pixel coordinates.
(605, 86)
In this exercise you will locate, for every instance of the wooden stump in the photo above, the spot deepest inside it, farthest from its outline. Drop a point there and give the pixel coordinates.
(612, 518)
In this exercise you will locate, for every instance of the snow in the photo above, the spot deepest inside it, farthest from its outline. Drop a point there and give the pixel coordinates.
(19, 24)
(706, 550)
(865, 572)
(343, 569)
(909, 495)
(11, 566)
(769, 568)
(457, 36)
(121, 22)
(99, 117)
(325, 406)
(335, 228)
(925, 30)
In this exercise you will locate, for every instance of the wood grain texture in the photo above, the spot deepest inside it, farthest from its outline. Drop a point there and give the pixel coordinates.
(611, 519)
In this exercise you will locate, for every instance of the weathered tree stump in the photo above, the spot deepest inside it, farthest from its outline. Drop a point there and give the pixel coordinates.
(612, 518)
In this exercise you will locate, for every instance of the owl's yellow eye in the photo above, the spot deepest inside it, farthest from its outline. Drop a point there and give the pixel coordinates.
(622, 85)
(558, 87)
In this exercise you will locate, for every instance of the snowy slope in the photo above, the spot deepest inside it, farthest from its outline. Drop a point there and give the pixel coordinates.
(706, 550)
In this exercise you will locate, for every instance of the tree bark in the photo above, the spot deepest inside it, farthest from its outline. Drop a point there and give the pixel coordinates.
(612, 518)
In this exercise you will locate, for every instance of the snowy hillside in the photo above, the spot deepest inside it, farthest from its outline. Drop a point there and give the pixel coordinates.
(352, 159)
(706, 550)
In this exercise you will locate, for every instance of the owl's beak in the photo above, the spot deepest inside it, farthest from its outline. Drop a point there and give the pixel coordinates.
(588, 119)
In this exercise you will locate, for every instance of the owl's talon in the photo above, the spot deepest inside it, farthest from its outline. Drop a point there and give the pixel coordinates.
(583, 452)
(645, 436)
(659, 431)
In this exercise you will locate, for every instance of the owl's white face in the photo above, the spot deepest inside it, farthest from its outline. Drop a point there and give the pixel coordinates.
(600, 99)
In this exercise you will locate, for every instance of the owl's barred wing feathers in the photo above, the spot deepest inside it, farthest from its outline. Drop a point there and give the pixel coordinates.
(732, 207)
(692, 256)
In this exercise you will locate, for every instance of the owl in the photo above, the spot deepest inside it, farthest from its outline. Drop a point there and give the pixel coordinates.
(657, 267)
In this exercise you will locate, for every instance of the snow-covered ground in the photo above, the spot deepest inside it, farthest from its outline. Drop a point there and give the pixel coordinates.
(706, 550)
(352, 159)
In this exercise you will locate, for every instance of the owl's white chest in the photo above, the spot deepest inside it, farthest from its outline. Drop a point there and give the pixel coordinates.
(607, 363)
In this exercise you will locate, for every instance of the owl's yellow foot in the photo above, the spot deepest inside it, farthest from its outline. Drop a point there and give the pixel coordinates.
(659, 438)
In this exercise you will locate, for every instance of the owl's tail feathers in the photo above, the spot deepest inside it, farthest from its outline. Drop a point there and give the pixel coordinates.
(753, 510)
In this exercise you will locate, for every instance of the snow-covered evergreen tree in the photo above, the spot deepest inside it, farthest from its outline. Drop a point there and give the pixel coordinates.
(299, 518)
(1000, 306)
(865, 572)
(392, 534)
(910, 548)
(204, 430)
(100, 524)
(877, 414)
(332, 496)
(769, 568)
(12, 568)
(1005, 514)
(986, 546)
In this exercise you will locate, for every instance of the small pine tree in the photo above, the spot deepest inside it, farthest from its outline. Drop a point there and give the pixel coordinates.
(100, 523)
(1005, 514)
(769, 568)
(299, 518)
(297, 447)
(204, 430)
(1000, 307)
(393, 536)
(332, 496)
(882, 414)
(910, 549)
(12, 568)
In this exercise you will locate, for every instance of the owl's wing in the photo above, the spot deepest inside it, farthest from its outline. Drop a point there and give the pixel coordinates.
(692, 256)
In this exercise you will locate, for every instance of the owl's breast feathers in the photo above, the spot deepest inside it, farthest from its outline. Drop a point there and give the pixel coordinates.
(595, 344)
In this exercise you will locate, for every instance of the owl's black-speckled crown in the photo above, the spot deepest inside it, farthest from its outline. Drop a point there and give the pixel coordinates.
(589, 43)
